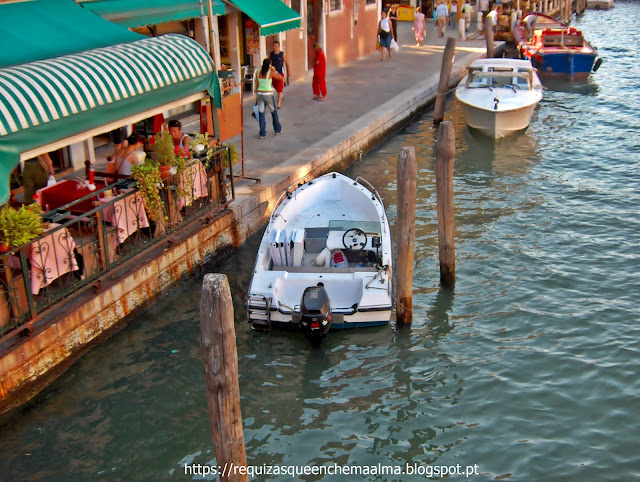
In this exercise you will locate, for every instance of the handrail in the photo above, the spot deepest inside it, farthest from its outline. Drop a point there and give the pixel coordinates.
(369, 186)
(300, 182)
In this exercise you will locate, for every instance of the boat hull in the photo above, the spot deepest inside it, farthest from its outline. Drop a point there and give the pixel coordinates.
(562, 64)
(498, 124)
(600, 4)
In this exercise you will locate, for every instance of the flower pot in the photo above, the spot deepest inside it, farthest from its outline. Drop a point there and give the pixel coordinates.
(164, 171)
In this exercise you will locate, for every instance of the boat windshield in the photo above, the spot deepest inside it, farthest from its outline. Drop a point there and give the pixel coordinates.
(497, 79)
(369, 227)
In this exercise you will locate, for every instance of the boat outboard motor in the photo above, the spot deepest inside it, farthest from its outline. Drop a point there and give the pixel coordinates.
(315, 314)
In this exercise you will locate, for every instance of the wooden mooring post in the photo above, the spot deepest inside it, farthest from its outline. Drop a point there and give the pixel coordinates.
(407, 185)
(488, 35)
(445, 78)
(220, 358)
(445, 154)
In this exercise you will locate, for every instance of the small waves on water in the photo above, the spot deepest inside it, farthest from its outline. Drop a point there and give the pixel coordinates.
(527, 368)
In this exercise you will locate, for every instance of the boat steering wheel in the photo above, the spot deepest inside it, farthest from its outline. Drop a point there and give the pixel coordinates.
(354, 238)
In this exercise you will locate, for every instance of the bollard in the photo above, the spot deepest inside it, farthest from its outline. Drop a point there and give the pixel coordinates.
(407, 184)
(445, 154)
(445, 78)
(462, 29)
(488, 33)
(220, 359)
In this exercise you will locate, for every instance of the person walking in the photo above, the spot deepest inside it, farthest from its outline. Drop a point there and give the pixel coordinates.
(266, 99)
(453, 14)
(385, 32)
(319, 73)
(419, 26)
(393, 18)
(467, 10)
(484, 6)
(279, 61)
(442, 16)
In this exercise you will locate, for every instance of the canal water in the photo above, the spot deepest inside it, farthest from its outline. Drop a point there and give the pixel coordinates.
(528, 368)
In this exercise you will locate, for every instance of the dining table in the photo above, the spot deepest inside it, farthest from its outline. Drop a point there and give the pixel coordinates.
(51, 256)
(66, 192)
(126, 213)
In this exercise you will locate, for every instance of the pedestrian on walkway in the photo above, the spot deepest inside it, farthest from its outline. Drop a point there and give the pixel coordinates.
(419, 26)
(319, 73)
(279, 61)
(442, 17)
(385, 32)
(453, 14)
(484, 6)
(393, 18)
(266, 99)
(467, 10)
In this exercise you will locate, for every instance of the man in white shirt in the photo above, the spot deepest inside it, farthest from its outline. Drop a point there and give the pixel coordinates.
(483, 5)
(442, 17)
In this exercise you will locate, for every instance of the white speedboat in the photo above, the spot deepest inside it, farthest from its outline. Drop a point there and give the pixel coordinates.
(499, 95)
(324, 260)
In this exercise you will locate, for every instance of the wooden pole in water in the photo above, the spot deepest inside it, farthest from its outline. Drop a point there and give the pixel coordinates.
(220, 358)
(488, 35)
(445, 154)
(407, 184)
(445, 78)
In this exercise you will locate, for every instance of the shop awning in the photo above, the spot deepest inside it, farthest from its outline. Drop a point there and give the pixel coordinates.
(45, 101)
(137, 13)
(273, 16)
(43, 29)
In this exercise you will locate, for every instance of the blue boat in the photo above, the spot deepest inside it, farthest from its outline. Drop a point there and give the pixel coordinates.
(554, 48)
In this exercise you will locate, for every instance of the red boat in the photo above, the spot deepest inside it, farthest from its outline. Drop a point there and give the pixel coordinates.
(554, 48)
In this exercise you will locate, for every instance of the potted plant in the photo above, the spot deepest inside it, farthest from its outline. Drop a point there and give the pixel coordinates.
(147, 176)
(19, 226)
(163, 152)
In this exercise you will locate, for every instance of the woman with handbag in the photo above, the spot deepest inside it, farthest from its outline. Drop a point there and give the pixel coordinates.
(266, 99)
(385, 33)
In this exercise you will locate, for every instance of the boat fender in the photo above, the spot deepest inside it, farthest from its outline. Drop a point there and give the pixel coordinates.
(597, 64)
(321, 259)
(338, 259)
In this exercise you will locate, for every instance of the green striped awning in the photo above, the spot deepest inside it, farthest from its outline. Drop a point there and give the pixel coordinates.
(47, 100)
(138, 13)
(273, 16)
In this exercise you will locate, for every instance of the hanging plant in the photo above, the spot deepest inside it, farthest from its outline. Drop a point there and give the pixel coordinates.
(147, 176)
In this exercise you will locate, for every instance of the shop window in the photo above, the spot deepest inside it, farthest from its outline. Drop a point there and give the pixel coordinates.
(370, 2)
(295, 5)
(335, 5)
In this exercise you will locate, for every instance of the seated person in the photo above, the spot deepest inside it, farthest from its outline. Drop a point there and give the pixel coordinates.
(128, 157)
(179, 138)
(35, 175)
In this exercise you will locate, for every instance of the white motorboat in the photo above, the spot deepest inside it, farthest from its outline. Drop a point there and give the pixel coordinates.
(499, 95)
(324, 260)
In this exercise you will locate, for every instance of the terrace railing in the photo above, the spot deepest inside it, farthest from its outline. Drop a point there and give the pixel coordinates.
(79, 247)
